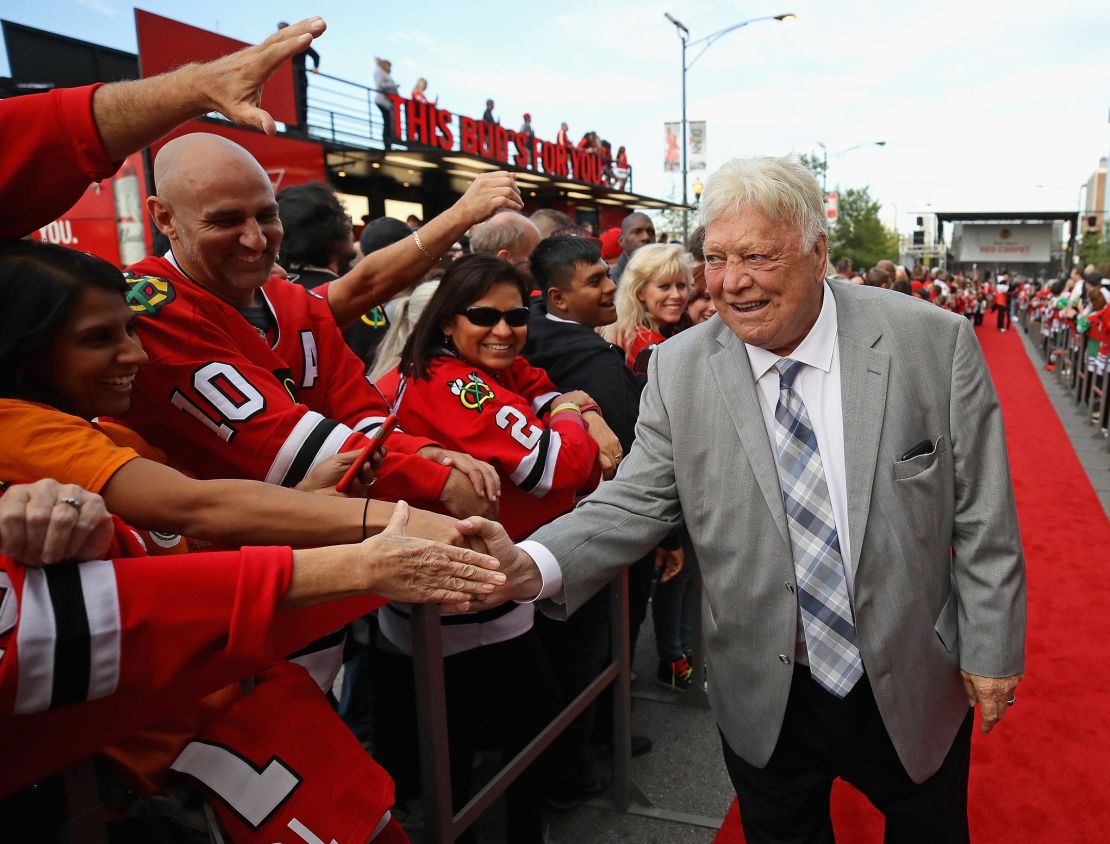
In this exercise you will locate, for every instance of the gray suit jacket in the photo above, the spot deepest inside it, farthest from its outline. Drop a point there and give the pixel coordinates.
(939, 573)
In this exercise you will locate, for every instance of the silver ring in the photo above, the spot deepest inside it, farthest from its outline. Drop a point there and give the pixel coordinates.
(1011, 701)
(72, 502)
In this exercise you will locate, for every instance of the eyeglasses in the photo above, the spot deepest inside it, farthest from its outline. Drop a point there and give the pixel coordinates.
(489, 317)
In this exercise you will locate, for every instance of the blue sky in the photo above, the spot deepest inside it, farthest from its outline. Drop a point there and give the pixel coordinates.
(978, 101)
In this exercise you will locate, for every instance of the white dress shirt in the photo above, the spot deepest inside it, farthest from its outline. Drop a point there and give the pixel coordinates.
(818, 383)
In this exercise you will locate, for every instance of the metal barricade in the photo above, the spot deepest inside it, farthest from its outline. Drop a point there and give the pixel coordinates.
(441, 824)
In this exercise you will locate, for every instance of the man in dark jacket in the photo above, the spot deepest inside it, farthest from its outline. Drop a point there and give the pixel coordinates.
(578, 294)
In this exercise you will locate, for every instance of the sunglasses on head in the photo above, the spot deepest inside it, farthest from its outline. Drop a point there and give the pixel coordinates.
(489, 317)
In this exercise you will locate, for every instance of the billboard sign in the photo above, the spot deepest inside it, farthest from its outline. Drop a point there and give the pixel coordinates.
(1015, 243)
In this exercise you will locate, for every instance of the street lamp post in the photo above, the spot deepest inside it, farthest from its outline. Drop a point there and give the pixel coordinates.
(705, 43)
(825, 163)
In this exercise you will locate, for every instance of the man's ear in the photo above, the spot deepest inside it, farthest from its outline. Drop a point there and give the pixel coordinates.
(162, 216)
(555, 297)
(505, 255)
(821, 254)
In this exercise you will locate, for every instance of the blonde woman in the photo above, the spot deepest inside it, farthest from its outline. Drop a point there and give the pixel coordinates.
(651, 299)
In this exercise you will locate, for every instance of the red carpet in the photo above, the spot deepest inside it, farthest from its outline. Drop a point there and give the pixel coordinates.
(1043, 775)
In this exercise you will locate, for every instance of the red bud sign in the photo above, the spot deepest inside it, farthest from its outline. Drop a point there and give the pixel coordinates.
(427, 124)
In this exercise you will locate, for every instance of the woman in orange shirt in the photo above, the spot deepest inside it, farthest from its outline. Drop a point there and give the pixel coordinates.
(68, 355)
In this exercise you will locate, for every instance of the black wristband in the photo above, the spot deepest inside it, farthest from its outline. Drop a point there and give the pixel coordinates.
(365, 510)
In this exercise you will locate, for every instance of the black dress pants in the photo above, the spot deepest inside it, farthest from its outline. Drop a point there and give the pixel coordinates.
(823, 738)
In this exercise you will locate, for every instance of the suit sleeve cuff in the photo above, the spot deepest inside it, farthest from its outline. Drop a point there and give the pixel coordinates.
(550, 572)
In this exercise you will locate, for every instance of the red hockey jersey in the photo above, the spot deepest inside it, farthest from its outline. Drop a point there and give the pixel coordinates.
(499, 419)
(283, 767)
(222, 402)
(94, 651)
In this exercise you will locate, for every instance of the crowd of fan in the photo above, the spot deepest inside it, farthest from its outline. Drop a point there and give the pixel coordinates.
(213, 396)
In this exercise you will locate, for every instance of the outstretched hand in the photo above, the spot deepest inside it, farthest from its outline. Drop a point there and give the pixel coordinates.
(418, 571)
(47, 522)
(489, 193)
(323, 478)
(233, 84)
(523, 579)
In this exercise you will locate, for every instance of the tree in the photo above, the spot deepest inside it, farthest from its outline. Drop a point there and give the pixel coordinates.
(1093, 249)
(859, 234)
(816, 166)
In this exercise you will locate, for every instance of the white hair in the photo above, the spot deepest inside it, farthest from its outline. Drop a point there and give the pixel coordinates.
(782, 189)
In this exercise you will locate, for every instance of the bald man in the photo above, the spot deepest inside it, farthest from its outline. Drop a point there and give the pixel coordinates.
(508, 235)
(248, 374)
(637, 230)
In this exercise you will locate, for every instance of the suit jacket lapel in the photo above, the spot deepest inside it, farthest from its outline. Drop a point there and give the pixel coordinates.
(864, 371)
(733, 372)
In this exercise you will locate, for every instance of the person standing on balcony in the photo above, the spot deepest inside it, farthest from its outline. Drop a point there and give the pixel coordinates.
(300, 79)
(385, 86)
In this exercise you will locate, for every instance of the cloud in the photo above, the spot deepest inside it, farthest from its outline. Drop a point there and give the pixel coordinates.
(98, 6)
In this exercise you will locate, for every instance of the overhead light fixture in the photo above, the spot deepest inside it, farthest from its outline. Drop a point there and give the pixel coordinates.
(406, 161)
(342, 174)
(405, 184)
(610, 202)
(574, 194)
(376, 164)
(466, 174)
(531, 177)
(469, 162)
(531, 193)
(568, 185)
(622, 196)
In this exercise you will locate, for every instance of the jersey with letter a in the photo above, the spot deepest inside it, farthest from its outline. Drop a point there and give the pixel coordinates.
(223, 401)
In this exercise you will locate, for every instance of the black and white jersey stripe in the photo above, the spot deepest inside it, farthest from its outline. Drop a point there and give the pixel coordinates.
(536, 471)
(540, 403)
(69, 636)
(313, 440)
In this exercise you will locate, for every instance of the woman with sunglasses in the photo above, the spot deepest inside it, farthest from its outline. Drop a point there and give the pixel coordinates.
(462, 376)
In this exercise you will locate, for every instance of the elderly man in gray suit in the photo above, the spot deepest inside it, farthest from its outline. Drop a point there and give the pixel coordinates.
(838, 457)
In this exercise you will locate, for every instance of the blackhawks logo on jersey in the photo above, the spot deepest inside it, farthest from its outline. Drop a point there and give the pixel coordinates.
(473, 392)
(148, 294)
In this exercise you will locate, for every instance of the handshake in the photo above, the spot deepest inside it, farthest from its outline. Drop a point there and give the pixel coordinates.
(419, 557)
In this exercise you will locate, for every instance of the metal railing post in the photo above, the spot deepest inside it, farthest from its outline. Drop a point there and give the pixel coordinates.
(431, 714)
(622, 691)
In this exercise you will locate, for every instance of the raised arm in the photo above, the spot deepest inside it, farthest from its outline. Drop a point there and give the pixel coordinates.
(378, 276)
(130, 115)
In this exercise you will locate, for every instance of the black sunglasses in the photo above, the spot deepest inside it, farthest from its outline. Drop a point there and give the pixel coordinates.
(489, 317)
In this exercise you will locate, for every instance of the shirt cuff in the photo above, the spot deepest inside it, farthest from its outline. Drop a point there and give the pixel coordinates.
(550, 572)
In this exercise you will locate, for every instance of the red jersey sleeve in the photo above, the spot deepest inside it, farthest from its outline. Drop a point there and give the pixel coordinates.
(56, 133)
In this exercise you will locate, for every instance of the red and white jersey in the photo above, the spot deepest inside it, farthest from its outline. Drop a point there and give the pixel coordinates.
(500, 419)
(94, 651)
(282, 767)
(223, 401)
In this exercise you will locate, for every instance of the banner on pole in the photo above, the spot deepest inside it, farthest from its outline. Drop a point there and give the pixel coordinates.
(832, 206)
(672, 155)
(696, 149)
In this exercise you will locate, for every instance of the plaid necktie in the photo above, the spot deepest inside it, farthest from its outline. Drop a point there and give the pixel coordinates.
(834, 659)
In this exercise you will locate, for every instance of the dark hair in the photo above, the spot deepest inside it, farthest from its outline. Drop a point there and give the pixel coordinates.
(39, 285)
(555, 260)
(696, 244)
(467, 280)
(876, 277)
(382, 232)
(903, 287)
(316, 226)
